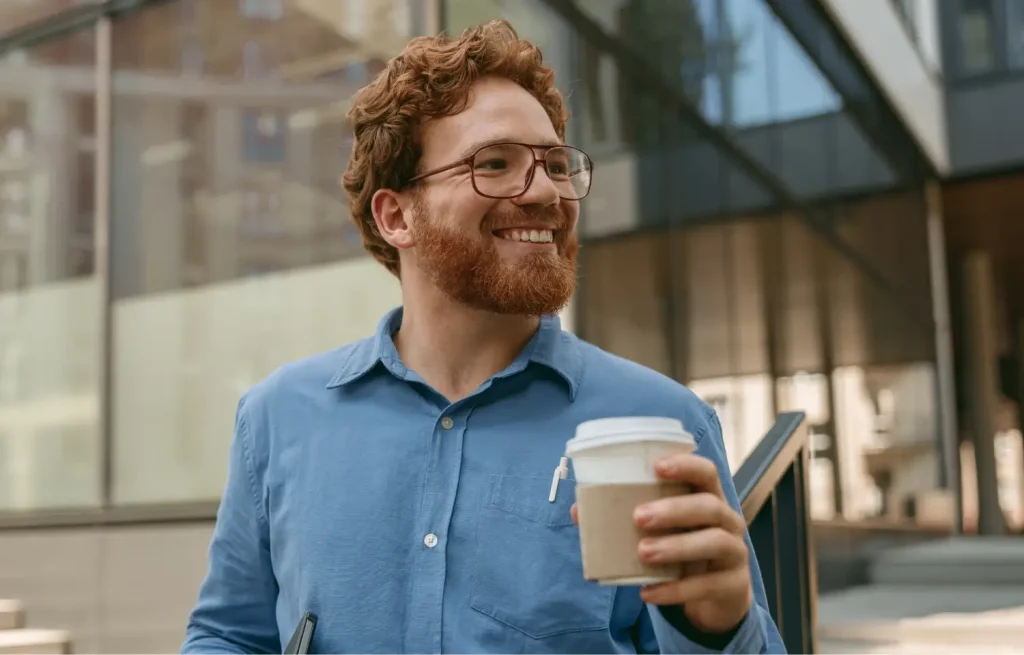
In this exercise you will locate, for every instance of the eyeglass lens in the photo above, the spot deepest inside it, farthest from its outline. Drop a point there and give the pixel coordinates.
(504, 170)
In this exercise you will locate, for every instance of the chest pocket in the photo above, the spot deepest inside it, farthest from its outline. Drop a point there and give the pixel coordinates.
(529, 575)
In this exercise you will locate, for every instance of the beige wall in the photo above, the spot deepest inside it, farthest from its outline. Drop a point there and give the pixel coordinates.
(118, 590)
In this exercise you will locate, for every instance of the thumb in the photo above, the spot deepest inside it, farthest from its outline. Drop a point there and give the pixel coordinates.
(574, 514)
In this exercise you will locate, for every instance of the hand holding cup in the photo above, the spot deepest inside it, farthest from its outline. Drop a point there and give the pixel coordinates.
(703, 528)
(686, 526)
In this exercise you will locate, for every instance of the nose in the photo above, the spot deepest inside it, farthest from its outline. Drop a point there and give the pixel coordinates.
(540, 191)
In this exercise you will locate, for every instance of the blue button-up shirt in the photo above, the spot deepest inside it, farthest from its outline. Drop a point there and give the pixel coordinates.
(408, 523)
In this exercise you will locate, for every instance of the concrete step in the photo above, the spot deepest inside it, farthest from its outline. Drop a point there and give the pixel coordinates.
(12, 614)
(957, 561)
(39, 642)
(958, 616)
(912, 648)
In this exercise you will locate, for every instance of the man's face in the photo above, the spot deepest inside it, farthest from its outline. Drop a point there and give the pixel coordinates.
(476, 249)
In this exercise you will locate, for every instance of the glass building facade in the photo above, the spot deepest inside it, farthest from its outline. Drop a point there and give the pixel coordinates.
(172, 229)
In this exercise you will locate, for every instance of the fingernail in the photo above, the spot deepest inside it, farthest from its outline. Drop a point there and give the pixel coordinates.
(642, 515)
(663, 466)
(648, 552)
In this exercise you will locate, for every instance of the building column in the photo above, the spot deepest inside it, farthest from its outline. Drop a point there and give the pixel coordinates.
(982, 381)
(949, 428)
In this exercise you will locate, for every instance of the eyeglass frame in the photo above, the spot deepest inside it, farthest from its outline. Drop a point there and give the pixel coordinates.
(537, 161)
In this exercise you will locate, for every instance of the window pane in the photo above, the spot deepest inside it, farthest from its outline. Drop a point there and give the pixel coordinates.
(976, 36)
(533, 20)
(233, 251)
(49, 296)
(1015, 32)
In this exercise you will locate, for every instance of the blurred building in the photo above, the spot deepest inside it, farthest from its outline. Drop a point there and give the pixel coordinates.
(798, 204)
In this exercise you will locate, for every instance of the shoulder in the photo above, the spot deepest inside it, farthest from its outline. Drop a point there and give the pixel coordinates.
(299, 383)
(622, 386)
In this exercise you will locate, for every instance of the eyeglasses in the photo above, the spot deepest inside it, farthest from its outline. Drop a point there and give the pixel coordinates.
(505, 170)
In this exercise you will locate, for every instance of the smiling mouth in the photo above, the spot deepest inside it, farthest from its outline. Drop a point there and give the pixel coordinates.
(526, 236)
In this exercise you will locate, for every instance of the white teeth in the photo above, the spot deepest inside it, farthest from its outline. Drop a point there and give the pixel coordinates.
(529, 236)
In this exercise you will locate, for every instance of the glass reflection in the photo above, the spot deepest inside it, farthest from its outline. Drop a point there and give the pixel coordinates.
(19, 13)
(734, 58)
(533, 20)
(50, 302)
(228, 218)
(760, 315)
(977, 36)
(743, 70)
(1015, 33)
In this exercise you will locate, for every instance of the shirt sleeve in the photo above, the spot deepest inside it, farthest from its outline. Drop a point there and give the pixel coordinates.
(758, 632)
(236, 612)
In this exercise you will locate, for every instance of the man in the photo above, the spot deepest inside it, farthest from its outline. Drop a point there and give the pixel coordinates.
(398, 486)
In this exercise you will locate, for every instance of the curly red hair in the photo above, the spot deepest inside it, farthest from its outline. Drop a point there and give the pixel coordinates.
(431, 77)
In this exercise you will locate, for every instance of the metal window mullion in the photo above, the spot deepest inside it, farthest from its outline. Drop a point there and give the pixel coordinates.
(102, 250)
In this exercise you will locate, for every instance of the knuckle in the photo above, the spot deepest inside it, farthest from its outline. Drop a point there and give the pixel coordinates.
(707, 503)
(724, 515)
(721, 536)
(711, 507)
(707, 468)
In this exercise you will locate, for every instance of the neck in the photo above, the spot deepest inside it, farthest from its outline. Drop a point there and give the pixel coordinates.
(452, 347)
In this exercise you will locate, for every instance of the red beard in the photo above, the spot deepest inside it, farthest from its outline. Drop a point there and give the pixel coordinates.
(471, 271)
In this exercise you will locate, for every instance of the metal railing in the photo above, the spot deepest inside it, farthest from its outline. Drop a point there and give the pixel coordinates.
(772, 487)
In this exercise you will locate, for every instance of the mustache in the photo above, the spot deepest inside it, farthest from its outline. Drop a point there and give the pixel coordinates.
(526, 217)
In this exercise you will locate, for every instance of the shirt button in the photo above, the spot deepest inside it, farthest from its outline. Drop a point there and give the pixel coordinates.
(430, 540)
(447, 423)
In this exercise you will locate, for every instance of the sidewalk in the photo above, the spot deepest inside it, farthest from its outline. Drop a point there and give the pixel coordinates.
(923, 619)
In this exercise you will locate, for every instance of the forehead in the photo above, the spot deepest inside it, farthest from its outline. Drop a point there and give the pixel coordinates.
(497, 109)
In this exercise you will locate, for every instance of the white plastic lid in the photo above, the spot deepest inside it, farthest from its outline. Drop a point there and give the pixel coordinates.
(605, 431)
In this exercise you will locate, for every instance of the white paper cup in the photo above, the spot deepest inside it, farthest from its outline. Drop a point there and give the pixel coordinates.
(624, 450)
(613, 460)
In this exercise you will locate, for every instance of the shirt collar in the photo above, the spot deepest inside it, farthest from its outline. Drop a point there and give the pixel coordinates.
(549, 347)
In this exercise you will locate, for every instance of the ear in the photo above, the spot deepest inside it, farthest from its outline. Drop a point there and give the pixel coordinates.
(389, 212)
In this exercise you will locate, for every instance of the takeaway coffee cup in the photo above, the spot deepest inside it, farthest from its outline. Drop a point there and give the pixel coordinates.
(613, 460)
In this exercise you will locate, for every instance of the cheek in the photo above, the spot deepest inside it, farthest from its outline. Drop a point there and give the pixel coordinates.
(572, 210)
(471, 213)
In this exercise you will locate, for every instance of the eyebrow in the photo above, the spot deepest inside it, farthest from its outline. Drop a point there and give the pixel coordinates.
(505, 139)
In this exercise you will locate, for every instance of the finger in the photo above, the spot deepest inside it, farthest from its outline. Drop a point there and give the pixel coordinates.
(700, 510)
(574, 513)
(698, 472)
(707, 586)
(710, 545)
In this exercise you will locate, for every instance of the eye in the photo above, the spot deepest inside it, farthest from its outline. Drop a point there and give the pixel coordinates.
(558, 168)
(558, 163)
(492, 164)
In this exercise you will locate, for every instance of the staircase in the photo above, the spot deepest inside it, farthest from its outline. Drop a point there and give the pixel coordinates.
(16, 638)
(961, 595)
